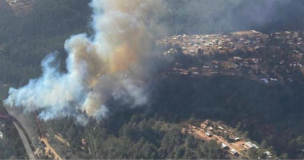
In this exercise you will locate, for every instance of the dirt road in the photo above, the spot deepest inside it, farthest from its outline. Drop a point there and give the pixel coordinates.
(50, 149)
(201, 134)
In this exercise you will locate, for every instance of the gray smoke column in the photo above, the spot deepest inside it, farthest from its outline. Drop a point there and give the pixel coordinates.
(98, 67)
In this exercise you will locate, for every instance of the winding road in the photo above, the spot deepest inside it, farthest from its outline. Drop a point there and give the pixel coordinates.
(25, 142)
(29, 148)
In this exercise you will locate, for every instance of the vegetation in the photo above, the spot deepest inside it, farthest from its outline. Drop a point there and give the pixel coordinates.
(273, 113)
(270, 113)
(10, 145)
(137, 138)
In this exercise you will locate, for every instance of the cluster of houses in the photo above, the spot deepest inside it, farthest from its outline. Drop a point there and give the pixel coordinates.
(291, 38)
(233, 66)
(14, 3)
(206, 44)
(235, 145)
(255, 66)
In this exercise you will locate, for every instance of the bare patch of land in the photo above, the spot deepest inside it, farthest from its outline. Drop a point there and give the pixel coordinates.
(21, 7)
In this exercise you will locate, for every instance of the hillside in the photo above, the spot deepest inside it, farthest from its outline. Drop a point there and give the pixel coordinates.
(270, 115)
(259, 111)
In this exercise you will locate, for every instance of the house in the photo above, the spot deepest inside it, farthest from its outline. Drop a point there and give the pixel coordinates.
(237, 58)
(257, 47)
(184, 72)
(234, 152)
(231, 44)
(216, 67)
(265, 80)
(208, 134)
(224, 146)
(268, 154)
(255, 32)
(295, 51)
(192, 51)
(220, 127)
(1, 135)
(249, 145)
(210, 129)
(206, 67)
(274, 79)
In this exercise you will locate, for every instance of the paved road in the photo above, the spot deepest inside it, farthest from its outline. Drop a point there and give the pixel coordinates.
(25, 142)
(22, 133)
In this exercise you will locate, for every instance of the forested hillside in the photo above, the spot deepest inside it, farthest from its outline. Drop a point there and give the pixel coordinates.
(270, 113)
(139, 136)
(266, 114)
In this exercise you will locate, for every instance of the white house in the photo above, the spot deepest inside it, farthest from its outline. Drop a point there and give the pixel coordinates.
(208, 134)
(1, 135)
(224, 146)
(251, 145)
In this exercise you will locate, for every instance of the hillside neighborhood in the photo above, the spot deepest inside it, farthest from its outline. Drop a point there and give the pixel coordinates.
(269, 59)
(151, 79)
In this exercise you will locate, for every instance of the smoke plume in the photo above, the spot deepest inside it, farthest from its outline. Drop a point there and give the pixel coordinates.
(99, 67)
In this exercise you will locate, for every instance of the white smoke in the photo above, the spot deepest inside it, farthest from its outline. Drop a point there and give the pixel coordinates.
(98, 68)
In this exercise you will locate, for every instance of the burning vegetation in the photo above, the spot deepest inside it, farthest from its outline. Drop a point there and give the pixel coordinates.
(128, 107)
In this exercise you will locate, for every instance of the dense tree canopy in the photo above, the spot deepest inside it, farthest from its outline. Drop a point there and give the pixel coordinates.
(270, 113)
